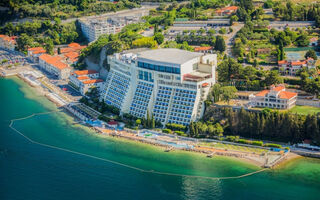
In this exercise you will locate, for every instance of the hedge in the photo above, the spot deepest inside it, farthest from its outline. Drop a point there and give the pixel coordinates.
(166, 130)
(291, 81)
(257, 143)
(181, 133)
(273, 145)
(177, 127)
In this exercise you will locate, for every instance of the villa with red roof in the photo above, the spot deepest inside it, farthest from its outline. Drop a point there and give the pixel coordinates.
(7, 42)
(292, 67)
(71, 53)
(83, 80)
(226, 11)
(54, 65)
(277, 97)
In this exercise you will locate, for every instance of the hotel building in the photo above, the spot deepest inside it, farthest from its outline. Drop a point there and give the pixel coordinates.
(54, 65)
(276, 97)
(170, 84)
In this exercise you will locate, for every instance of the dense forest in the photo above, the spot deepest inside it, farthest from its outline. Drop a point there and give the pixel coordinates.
(49, 9)
(43, 33)
(230, 72)
(265, 125)
(289, 11)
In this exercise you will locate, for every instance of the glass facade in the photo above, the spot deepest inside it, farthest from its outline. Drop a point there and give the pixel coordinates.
(146, 76)
(159, 68)
(118, 86)
(140, 102)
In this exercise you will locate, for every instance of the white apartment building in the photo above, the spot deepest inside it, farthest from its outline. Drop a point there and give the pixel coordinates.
(79, 76)
(86, 85)
(93, 28)
(54, 65)
(35, 52)
(170, 84)
(276, 97)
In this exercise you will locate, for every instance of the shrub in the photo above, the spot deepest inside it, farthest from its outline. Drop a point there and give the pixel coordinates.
(231, 138)
(177, 127)
(292, 81)
(273, 145)
(243, 141)
(166, 130)
(257, 143)
(181, 133)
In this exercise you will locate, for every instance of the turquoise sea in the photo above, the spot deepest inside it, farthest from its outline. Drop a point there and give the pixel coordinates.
(32, 171)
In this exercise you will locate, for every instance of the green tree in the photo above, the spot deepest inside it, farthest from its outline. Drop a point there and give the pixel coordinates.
(302, 41)
(273, 77)
(159, 38)
(216, 92)
(138, 122)
(49, 46)
(311, 54)
(228, 93)
(220, 44)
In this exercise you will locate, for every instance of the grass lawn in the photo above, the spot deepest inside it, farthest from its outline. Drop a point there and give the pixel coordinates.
(305, 110)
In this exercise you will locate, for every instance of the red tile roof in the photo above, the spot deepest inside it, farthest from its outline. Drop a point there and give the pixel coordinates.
(83, 78)
(262, 93)
(282, 62)
(295, 63)
(287, 95)
(73, 45)
(227, 9)
(54, 61)
(37, 50)
(205, 84)
(202, 49)
(85, 72)
(72, 55)
(92, 81)
(278, 88)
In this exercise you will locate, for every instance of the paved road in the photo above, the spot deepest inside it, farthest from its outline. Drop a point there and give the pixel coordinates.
(230, 38)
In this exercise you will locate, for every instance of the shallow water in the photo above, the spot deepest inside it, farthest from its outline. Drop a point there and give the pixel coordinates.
(32, 171)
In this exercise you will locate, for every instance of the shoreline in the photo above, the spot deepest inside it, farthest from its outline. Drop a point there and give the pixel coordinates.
(237, 155)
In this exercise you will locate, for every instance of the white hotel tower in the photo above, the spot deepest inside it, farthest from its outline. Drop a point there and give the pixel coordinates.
(170, 84)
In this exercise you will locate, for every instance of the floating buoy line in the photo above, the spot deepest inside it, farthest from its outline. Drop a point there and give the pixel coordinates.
(115, 162)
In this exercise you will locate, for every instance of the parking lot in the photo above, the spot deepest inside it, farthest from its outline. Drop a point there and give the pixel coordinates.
(12, 58)
(69, 90)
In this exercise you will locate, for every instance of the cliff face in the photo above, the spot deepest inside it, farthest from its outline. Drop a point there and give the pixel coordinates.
(98, 66)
